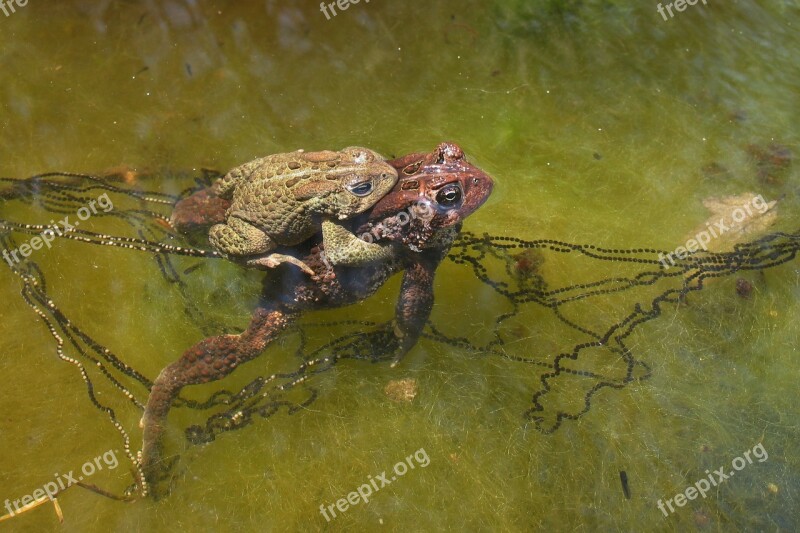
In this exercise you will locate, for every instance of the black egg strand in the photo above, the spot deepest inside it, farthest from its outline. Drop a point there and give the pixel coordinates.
(491, 259)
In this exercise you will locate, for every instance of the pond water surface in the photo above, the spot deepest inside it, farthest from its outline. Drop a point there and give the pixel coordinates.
(600, 122)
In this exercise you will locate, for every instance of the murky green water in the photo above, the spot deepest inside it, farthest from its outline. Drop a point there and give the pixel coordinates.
(596, 123)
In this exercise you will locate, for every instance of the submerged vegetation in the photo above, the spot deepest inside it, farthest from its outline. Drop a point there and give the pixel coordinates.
(561, 352)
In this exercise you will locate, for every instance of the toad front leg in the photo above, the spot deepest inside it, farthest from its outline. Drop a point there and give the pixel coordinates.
(209, 360)
(415, 303)
(342, 247)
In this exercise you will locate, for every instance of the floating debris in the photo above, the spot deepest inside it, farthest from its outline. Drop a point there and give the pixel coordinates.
(773, 162)
(716, 171)
(744, 288)
(528, 262)
(623, 477)
(401, 390)
(733, 219)
(701, 519)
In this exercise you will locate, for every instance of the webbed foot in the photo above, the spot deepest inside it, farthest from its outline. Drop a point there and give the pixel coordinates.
(273, 260)
(405, 341)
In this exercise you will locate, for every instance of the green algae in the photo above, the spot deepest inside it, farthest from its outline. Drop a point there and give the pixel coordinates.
(596, 120)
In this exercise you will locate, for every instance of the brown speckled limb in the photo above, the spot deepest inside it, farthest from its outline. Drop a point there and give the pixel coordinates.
(209, 360)
(415, 302)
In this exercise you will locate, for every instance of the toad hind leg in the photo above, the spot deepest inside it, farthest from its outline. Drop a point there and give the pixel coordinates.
(415, 303)
(344, 248)
(208, 360)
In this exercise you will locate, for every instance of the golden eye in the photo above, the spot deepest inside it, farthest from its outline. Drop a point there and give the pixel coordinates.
(449, 195)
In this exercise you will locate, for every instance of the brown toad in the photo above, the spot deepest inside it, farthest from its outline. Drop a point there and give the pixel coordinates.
(283, 199)
(441, 185)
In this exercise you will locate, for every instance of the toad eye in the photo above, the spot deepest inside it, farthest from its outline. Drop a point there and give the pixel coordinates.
(361, 189)
(449, 196)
